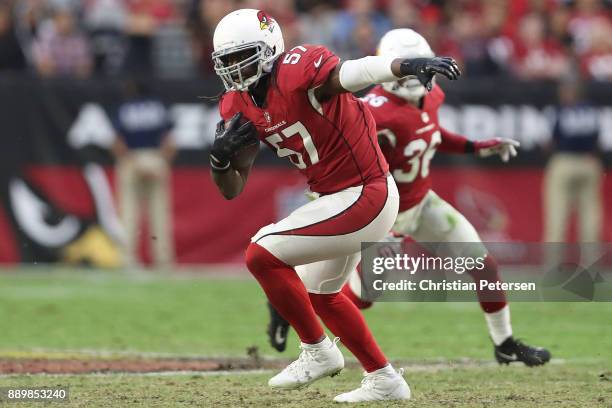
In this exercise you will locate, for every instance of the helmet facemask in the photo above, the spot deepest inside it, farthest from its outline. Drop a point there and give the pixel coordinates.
(409, 88)
(237, 76)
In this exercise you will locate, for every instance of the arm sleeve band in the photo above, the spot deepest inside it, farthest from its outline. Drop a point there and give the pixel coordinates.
(363, 72)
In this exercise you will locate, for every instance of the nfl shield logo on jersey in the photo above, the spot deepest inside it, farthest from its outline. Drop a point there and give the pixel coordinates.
(267, 117)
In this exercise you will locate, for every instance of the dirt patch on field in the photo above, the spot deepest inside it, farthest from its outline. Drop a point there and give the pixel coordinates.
(136, 365)
(75, 366)
(93, 364)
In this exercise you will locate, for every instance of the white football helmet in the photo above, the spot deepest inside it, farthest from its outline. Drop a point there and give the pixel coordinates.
(242, 31)
(405, 43)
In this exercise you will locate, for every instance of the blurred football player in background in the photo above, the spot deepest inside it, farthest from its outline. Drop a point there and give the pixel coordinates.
(409, 135)
(144, 149)
(574, 176)
(299, 104)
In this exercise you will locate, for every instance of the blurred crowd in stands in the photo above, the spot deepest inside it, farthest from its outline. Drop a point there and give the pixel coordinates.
(528, 39)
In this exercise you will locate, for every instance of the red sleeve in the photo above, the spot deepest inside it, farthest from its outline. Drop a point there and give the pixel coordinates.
(452, 142)
(306, 67)
(387, 142)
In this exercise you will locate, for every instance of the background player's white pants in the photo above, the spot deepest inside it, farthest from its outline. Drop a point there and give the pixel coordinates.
(434, 220)
(322, 239)
(431, 222)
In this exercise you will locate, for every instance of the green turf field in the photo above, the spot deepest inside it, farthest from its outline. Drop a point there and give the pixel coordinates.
(443, 347)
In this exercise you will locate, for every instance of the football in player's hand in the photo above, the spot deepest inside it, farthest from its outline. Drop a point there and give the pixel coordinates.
(245, 156)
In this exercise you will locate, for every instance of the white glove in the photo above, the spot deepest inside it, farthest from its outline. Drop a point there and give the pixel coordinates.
(505, 148)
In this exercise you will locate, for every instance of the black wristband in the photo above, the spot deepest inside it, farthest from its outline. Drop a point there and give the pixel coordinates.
(220, 171)
(218, 166)
(411, 66)
(469, 147)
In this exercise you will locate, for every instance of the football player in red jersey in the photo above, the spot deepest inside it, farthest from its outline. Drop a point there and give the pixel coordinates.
(409, 135)
(299, 104)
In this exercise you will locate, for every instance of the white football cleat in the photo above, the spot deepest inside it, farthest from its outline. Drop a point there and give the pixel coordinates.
(381, 385)
(315, 362)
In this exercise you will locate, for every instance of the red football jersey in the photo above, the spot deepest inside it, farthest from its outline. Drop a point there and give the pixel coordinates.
(409, 137)
(333, 143)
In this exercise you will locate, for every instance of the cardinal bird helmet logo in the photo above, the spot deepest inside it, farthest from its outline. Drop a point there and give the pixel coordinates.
(265, 21)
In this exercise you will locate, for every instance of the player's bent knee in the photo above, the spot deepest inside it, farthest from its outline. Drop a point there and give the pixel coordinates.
(258, 259)
(255, 257)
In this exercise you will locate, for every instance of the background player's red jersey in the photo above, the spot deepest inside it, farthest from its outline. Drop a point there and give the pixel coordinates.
(409, 137)
(333, 143)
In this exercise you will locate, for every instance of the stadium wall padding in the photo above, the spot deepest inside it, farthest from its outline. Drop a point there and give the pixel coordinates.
(56, 134)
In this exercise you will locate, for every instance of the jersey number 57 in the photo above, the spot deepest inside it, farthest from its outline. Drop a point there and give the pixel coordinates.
(296, 157)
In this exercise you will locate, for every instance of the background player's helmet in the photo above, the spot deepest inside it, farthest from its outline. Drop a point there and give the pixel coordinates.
(405, 43)
(252, 33)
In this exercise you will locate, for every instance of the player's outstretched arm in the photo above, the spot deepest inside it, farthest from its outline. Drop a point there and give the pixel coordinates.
(454, 143)
(231, 137)
(355, 75)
